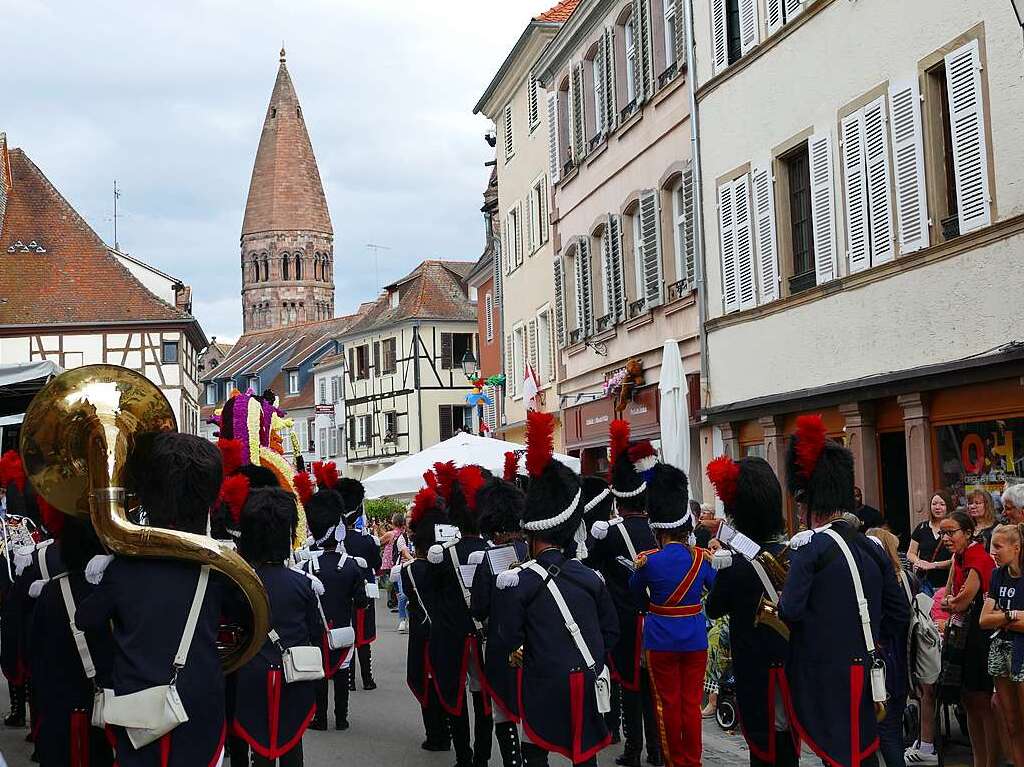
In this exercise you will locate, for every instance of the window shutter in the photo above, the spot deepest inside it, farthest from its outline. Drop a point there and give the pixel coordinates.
(823, 224)
(531, 99)
(773, 9)
(352, 363)
(510, 383)
(970, 151)
(726, 222)
(554, 163)
(680, 38)
(908, 152)
(584, 302)
(444, 417)
(559, 300)
(610, 108)
(650, 237)
(519, 233)
(510, 243)
(719, 36)
(879, 180)
(600, 87)
(351, 432)
(686, 189)
(489, 316)
(376, 357)
(447, 351)
(579, 139)
(509, 145)
(532, 355)
(749, 26)
(544, 226)
(616, 273)
(497, 268)
(855, 193)
(793, 9)
(531, 206)
(551, 349)
(764, 222)
(646, 88)
(606, 271)
(746, 284)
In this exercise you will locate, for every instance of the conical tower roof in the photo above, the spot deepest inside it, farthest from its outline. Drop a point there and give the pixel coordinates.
(285, 193)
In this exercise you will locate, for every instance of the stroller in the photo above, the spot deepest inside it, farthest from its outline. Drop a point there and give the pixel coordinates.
(726, 714)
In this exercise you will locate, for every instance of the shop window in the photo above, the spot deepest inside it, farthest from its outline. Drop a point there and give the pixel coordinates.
(981, 455)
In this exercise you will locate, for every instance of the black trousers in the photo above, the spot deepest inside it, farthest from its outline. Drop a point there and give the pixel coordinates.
(785, 753)
(638, 718)
(365, 658)
(292, 759)
(435, 724)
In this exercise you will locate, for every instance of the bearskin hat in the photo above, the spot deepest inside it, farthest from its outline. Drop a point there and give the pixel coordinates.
(819, 470)
(428, 509)
(22, 500)
(554, 507)
(352, 494)
(500, 506)
(462, 499)
(269, 519)
(597, 500)
(668, 498)
(323, 512)
(751, 494)
(630, 465)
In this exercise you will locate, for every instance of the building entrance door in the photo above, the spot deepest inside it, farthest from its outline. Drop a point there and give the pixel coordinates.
(892, 455)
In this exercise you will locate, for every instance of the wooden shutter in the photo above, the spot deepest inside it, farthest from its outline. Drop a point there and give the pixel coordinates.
(531, 206)
(489, 316)
(510, 243)
(687, 206)
(643, 26)
(879, 182)
(719, 36)
(650, 240)
(855, 193)
(352, 363)
(679, 42)
(823, 224)
(559, 300)
(499, 257)
(749, 27)
(726, 224)
(551, 350)
(606, 271)
(531, 99)
(745, 282)
(600, 88)
(533, 355)
(519, 233)
(351, 432)
(447, 352)
(377, 357)
(793, 9)
(584, 301)
(554, 159)
(509, 145)
(908, 154)
(615, 268)
(610, 107)
(764, 226)
(510, 383)
(773, 10)
(444, 417)
(579, 138)
(970, 150)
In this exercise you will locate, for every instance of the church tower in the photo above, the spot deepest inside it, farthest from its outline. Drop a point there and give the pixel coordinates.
(287, 240)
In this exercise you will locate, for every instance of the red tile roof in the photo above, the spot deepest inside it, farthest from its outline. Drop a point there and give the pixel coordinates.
(55, 270)
(559, 13)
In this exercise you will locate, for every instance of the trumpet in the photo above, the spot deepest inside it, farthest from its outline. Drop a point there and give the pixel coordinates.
(776, 568)
(78, 433)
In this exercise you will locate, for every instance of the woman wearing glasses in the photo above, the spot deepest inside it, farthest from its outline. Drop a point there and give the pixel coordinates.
(965, 656)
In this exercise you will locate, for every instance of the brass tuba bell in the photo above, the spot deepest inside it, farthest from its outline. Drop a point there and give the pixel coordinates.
(776, 568)
(75, 441)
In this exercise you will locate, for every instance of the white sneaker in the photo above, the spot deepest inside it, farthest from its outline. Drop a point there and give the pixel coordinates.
(403, 627)
(914, 755)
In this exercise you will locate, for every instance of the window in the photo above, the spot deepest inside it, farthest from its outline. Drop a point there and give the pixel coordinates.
(169, 352)
(798, 172)
(390, 352)
(682, 217)
(732, 12)
(453, 419)
(453, 348)
(323, 443)
(365, 430)
(211, 393)
(629, 33)
(293, 381)
(335, 388)
(362, 362)
(266, 268)
(393, 298)
(509, 144)
(538, 214)
(332, 442)
(545, 349)
(514, 237)
(391, 426)
(672, 30)
(489, 317)
(735, 29)
(610, 246)
(584, 299)
(285, 264)
(532, 108)
(322, 391)
(518, 357)
(254, 383)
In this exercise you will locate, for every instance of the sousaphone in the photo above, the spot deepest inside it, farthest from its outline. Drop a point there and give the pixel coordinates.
(75, 441)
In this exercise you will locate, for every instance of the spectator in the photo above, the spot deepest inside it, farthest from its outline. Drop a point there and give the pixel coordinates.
(928, 552)
(869, 516)
(1013, 504)
(983, 511)
(923, 749)
(399, 553)
(706, 515)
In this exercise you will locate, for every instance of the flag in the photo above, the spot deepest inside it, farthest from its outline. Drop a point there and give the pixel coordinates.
(531, 387)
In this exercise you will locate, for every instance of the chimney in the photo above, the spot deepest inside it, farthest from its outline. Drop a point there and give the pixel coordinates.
(183, 298)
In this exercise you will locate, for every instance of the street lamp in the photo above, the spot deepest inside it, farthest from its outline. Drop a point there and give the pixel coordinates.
(469, 365)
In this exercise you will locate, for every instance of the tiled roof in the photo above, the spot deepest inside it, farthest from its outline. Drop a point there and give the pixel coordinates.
(434, 290)
(559, 13)
(55, 270)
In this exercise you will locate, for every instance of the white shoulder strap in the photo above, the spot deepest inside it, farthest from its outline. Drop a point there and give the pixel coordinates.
(342, 560)
(467, 597)
(44, 569)
(193, 618)
(621, 527)
(563, 608)
(858, 588)
(769, 587)
(416, 588)
(78, 634)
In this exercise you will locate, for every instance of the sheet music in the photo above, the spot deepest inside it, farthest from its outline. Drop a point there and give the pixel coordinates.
(445, 533)
(627, 563)
(502, 558)
(737, 541)
(466, 573)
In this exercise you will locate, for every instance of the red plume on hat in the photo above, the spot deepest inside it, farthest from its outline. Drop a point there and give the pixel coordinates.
(470, 479)
(12, 470)
(447, 475)
(230, 453)
(326, 473)
(53, 520)
(234, 492)
(724, 472)
(303, 486)
(618, 439)
(511, 466)
(426, 500)
(810, 442)
(540, 441)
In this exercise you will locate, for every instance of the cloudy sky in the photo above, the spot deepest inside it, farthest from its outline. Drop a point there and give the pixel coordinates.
(169, 99)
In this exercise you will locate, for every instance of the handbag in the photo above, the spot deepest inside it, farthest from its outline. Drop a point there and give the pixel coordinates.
(602, 678)
(83, 653)
(149, 714)
(302, 663)
(339, 638)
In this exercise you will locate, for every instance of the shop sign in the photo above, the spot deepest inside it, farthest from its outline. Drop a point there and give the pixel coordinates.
(981, 455)
(325, 409)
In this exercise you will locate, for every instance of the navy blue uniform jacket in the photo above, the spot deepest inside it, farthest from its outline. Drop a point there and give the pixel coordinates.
(359, 544)
(344, 593)
(417, 662)
(827, 668)
(16, 613)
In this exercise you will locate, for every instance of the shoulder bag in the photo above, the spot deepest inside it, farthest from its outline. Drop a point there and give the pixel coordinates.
(303, 663)
(83, 652)
(337, 638)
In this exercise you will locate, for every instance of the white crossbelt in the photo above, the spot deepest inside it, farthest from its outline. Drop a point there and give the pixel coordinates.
(80, 642)
(563, 608)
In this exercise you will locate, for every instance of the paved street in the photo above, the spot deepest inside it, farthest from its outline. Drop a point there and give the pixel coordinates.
(386, 725)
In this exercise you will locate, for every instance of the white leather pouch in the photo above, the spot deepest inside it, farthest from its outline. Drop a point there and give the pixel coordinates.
(603, 691)
(300, 664)
(147, 714)
(372, 590)
(339, 639)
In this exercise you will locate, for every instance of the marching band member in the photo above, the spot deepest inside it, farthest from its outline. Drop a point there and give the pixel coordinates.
(559, 613)
(500, 504)
(673, 579)
(177, 478)
(427, 511)
(344, 592)
(830, 665)
(270, 715)
(752, 497)
(626, 536)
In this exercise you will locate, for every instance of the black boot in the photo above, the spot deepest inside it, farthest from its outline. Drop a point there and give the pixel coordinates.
(507, 734)
(365, 668)
(483, 731)
(238, 751)
(651, 733)
(458, 726)
(435, 725)
(534, 755)
(17, 716)
(319, 721)
(341, 698)
(632, 729)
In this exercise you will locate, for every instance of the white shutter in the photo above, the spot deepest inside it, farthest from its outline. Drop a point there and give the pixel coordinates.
(687, 206)
(600, 88)
(908, 154)
(773, 10)
(510, 378)
(497, 266)
(531, 206)
(607, 268)
(879, 182)
(532, 335)
(970, 151)
(510, 242)
(584, 301)
(749, 26)
(764, 225)
(519, 233)
(855, 193)
(579, 138)
(680, 38)
(613, 236)
(509, 144)
(719, 35)
(554, 158)
(793, 9)
(559, 300)
(544, 225)
(819, 148)
(650, 241)
(489, 319)
(746, 285)
(726, 224)
(610, 109)
(646, 50)
(531, 100)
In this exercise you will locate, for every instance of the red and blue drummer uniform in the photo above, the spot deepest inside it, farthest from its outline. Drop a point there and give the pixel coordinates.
(675, 643)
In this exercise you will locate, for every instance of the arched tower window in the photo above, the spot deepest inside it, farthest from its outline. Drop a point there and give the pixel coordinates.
(285, 264)
(298, 266)
(266, 268)
(316, 266)
(255, 269)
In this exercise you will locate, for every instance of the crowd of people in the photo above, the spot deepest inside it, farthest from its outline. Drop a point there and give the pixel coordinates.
(549, 612)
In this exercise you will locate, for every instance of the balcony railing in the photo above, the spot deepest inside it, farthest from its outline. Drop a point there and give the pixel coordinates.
(627, 111)
(668, 75)
(569, 166)
(636, 308)
(596, 140)
(575, 336)
(605, 322)
(678, 289)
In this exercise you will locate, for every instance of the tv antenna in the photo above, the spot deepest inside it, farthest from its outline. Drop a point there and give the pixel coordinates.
(117, 194)
(376, 259)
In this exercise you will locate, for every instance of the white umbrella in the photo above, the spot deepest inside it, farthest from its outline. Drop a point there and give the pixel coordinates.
(675, 414)
(406, 477)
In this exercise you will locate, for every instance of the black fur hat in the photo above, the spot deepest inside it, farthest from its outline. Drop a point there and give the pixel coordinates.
(500, 506)
(352, 493)
(597, 500)
(428, 509)
(751, 494)
(554, 506)
(631, 465)
(269, 519)
(78, 543)
(819, 471)
(668, 499)
(323, 511)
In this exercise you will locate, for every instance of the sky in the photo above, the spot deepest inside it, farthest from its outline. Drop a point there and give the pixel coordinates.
(169, 99)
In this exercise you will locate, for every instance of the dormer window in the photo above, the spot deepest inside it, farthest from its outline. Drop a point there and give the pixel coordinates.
(393, 298)
(293, 382)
